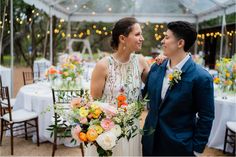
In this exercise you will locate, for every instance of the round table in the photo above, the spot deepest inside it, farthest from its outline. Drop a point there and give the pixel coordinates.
(225, 110)
(38, 98)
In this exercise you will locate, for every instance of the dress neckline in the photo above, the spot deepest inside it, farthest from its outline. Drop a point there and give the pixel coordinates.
(131, 55)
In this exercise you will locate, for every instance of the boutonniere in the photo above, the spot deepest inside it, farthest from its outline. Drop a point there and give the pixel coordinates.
(174, 77)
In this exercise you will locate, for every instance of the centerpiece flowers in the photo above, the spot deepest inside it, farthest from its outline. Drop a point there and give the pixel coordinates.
(68, 72)
(226, 78)
(102, 124)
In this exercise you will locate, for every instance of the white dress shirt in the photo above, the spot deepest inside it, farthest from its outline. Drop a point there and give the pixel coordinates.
(169, 70)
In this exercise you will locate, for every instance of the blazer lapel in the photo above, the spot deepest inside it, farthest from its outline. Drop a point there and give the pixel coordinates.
(186, 66)
(160, 79)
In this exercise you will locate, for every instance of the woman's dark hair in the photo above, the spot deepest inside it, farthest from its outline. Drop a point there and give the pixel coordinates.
(183, 30)
(121, 27)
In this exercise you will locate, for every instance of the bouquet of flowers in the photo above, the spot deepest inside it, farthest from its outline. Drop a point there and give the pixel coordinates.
(226, 68)
(102, 124)
(68, 72)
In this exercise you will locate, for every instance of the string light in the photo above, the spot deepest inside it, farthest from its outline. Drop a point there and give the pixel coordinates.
(104, 28)
(88, 32)
(93, 13)
(33, 11)
(63, 34)
(109, 9)
(62, 20)
(38, 35)
(28, 36)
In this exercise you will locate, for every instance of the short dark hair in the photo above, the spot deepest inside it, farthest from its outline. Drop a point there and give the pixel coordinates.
(183, 30)
(121, 27)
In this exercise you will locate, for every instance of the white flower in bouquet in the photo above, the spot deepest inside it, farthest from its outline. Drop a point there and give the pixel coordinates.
(117, 119)
(116, 130)
(107, 140)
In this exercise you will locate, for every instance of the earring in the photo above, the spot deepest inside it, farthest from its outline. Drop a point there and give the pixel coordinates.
(124, 47)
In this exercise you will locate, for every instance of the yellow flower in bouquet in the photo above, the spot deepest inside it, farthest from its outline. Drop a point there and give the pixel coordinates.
(96, 113)
(98, 128)
(83, 112)
(227, 74)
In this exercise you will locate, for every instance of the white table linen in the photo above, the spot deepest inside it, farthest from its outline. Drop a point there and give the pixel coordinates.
(6, 77)
(225, 110)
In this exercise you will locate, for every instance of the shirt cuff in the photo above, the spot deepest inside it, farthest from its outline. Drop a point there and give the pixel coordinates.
(197, 154)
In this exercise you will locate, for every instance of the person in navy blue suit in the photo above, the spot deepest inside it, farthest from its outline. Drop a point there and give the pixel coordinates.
(181, 99)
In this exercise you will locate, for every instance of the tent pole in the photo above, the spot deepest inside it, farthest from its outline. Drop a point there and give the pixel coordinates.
(222, 33)
(51, 36)
(197, 29)
(68, 37)
(12, 51)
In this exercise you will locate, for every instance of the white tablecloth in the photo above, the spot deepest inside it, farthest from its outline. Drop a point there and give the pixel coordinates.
(6, 77)
(225, 110)
(37, 97)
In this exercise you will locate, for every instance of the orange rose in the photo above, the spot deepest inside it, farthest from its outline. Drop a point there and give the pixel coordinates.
(92, 135)
(121, 97)
(52, 71)
(83, 137)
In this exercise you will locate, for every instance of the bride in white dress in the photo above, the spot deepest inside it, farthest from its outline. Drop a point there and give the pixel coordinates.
(123, 69)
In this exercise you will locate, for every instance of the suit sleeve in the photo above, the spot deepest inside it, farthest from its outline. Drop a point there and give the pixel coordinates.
(204, 103)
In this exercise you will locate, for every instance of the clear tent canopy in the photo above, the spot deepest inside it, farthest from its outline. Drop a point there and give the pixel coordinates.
(156, 11)
(143, 10)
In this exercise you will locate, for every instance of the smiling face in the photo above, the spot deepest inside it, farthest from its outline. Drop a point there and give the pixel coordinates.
(171, 44)
(134, 40)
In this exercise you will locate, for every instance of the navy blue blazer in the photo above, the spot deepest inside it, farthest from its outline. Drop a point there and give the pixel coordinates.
(178, 129)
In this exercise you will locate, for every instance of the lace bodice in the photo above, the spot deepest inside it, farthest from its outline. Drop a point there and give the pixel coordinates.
(126, 75)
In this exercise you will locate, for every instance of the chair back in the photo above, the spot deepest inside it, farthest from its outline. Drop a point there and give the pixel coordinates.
(5, 101)
(0, 81)
(61, 100)
(29, 77)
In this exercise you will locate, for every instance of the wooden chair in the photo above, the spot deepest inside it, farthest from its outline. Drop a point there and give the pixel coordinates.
(230, 136)
(30, 77)
(12, 100)
(61, 128)
(21, 117)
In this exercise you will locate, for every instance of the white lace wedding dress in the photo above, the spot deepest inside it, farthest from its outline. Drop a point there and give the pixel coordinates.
(128, 76)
